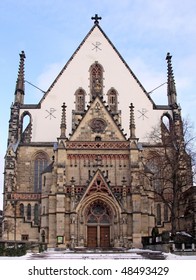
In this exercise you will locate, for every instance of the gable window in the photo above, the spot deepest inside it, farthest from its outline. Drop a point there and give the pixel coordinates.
(80, 100)
(96, 80)
(112, 100)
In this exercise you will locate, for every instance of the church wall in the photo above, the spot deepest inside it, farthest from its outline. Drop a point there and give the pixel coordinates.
(52, 221)
(27, 229)
(25, 166)
(82, 166)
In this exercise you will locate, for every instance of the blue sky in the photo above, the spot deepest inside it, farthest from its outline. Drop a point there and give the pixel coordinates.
(143, 31)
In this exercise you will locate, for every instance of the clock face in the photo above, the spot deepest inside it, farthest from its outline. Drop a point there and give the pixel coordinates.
(97, 125)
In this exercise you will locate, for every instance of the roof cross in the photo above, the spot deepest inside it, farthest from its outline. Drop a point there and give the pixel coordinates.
(96, 18)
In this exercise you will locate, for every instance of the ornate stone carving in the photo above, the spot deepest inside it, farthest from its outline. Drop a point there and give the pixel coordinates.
(124, 145)
(97, 125)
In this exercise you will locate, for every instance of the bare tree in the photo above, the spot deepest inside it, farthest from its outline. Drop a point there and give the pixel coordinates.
(170, 165)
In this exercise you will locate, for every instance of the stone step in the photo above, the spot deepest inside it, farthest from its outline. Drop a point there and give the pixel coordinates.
(140, 254)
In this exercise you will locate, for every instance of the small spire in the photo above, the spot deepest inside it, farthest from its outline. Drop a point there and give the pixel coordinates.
(132, 121)
(20, 89)
(63, 121)
(171, 88)
(96, 19)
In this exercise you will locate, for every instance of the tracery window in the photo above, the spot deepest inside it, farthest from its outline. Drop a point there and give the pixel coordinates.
(40, 163)
(43, 236)
(80, 100)
(36, 214)
(112, 100)
(166, 214)
(96, 80)
(98, 213)
(29, 211)
(21, 210)
(159, 214)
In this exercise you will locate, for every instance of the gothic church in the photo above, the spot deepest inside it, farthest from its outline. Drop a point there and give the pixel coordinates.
(73, 173)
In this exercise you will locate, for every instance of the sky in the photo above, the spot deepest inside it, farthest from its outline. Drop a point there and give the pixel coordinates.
(143, 31)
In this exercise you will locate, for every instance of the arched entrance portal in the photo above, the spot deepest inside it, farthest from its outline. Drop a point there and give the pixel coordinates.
(98, 221)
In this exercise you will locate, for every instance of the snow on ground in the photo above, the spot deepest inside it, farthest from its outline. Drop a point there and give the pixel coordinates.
(136, 254)
(170, 256)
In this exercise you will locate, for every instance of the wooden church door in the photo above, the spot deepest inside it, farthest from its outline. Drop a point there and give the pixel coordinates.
(92, 236)
(104, 236)
(98, 225)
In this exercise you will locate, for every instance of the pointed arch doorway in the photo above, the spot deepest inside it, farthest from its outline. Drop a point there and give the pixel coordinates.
(99, 219)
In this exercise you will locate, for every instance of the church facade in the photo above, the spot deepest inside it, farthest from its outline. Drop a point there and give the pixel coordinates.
(74, 175)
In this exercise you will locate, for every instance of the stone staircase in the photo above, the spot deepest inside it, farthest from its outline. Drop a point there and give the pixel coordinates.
(97, 254)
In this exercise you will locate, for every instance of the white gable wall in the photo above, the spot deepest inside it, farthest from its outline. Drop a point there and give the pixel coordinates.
(46, 127)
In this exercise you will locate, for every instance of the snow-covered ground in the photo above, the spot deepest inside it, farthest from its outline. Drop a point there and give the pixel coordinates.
(117, 264)
(136, 254)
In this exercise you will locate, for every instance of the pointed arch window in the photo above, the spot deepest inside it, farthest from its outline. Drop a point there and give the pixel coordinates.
(29, 211)
(166, 214)
(166, 123)
(43, 236)
(80, 100)
(99, 213)
(36, 214)
(26, 127)
(21, 209)
(96, 80)
(158, 214)
(112, 100)
(40, 163)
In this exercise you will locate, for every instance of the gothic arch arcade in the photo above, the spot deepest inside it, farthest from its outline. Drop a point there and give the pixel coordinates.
(99, 221)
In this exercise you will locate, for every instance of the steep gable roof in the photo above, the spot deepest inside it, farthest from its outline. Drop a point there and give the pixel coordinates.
(113, 47)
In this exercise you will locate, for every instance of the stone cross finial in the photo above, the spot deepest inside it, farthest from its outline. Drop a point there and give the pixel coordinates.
(96, 19)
